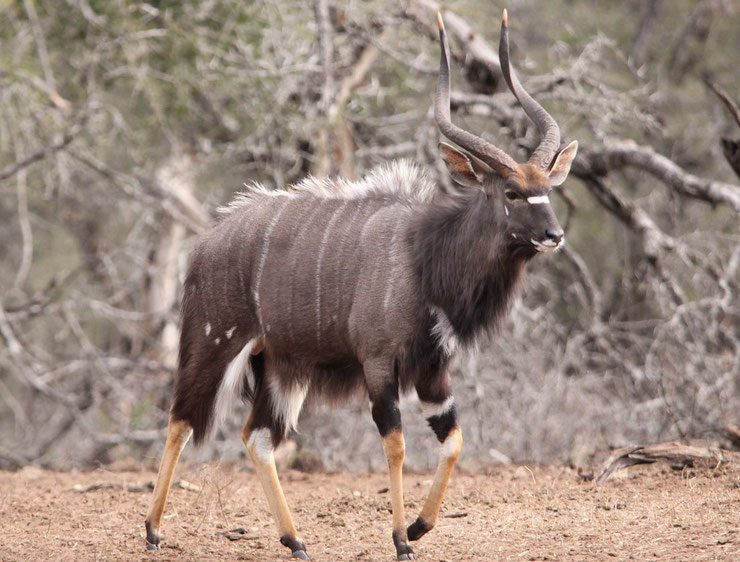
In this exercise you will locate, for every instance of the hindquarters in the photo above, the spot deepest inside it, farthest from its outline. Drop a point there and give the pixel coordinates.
(216, 346)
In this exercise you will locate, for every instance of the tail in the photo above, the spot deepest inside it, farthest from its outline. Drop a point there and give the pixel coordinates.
(205, 393)
(235, 385)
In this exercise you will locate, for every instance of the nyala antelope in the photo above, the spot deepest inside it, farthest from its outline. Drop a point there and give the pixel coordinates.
(333, 288)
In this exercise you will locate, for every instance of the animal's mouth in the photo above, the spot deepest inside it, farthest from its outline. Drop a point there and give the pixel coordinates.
(547, 245)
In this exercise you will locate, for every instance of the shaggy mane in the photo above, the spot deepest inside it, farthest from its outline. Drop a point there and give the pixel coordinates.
(401, 179)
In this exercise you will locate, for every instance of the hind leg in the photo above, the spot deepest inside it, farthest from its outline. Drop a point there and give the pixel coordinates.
(273, 410)
(178, 433)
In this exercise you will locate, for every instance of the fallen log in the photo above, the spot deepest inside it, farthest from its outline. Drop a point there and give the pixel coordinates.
(677, 454)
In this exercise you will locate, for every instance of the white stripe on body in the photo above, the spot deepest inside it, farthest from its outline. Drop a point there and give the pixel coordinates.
(235, 227)
(320, 258)
(359, 209)
(263, 259)
(298, 241)
(232, 383)
(393, 261)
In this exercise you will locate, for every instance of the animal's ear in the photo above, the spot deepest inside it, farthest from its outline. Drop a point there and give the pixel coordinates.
(481, 168)
(561, 164)
(460, 167)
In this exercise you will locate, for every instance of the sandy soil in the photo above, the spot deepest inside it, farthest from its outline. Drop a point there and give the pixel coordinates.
(507, 513)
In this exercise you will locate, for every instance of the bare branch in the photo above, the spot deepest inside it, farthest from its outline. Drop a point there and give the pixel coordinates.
(54, 97)
(322, 164)
(26, 232)
(481, 61)
(687, 49)
(326, 50)
(652, 14)
(179, 209)
(38, 36)
(39, 155)
(600, 160)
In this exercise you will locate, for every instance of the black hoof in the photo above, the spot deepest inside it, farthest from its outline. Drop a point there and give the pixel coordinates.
(418, 529)
(152, 538)
(296, 546)
(403, 548)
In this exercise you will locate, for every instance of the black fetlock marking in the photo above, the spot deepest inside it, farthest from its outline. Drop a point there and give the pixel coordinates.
(152, 538)
(418, 529)
(442, 425)
(296, 546)
(403, 548)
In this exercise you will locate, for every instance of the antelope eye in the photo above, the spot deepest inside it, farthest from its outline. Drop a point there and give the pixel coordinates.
(512, 195)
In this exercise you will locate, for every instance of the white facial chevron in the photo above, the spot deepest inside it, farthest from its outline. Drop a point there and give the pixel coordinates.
(538, 200)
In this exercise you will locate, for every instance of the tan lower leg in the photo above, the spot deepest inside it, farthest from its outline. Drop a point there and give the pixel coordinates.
(178, 433)
(259, 446)
(395, 451)
(447, 458)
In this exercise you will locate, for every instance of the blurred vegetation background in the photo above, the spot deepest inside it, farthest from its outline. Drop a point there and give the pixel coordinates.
(125, 124)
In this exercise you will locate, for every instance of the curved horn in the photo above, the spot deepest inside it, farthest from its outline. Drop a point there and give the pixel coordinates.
(494, 157)
(550, 143)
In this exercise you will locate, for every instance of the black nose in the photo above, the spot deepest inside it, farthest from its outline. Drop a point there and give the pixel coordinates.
(556, 234)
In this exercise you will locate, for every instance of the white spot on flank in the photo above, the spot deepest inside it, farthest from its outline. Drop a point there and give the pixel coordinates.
(514, 235)
(538, 200)
(430, 409)
(260, 443)
(232, 384)
(287, 402)
(208, 329)
(218, 341)
(443, 331)
(230, 332)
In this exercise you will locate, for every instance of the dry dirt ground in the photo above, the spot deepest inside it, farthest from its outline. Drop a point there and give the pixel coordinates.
(504, 513)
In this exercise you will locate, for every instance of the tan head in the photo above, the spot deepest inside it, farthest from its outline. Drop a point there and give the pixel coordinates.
(520, 192)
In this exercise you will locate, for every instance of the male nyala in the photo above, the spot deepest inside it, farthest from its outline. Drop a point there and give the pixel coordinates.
(329, 289)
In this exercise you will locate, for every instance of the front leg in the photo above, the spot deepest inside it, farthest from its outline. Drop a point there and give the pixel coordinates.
(387, 417)
(443, 421)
